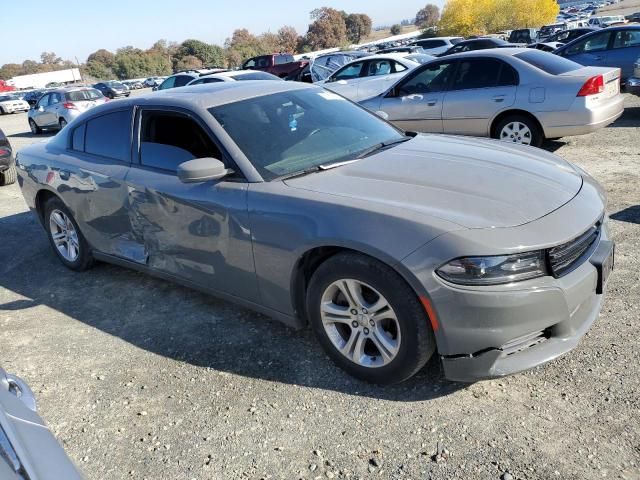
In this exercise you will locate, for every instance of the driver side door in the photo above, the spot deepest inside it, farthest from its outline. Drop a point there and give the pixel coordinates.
(197, 232)
(416, 102)
(346, 80)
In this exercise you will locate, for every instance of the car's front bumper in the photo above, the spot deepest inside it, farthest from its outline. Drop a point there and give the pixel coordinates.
(16, 108)
(492, 331)
(633, 86)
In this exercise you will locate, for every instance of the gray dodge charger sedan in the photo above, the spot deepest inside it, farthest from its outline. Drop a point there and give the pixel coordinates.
(293, 201)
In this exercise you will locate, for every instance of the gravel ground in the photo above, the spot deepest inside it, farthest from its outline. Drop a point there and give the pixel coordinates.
(139, 378)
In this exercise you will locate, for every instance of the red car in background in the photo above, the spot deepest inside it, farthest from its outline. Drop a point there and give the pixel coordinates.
(281, 65)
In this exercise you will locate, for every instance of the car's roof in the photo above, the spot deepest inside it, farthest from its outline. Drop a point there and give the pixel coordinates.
(489, 52)
(212, 94)
(392, 55)
(70, 89)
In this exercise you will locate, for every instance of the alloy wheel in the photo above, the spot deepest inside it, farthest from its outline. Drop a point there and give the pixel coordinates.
(360, 323)
(516, 132)
(64, 235)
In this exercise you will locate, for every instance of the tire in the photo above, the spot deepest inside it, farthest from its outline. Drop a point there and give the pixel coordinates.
(519, 129)
(2, 112)
(9, 176)
(83, 259)
(62, 122)
(35, 129)
(408, 336)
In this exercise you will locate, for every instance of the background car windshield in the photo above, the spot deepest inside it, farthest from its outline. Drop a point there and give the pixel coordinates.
(82, 95)
(288, 132)
(548, 62)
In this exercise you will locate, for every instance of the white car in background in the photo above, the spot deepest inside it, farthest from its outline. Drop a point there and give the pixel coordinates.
(437, 45)
(233, 76)
(369, 76)
(12, 104)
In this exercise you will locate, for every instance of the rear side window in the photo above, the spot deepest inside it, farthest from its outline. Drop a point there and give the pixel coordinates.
(483, 73)
(626, 38)
(110, 136)
(168, 139)
(83, 95)
(182, 80)
(548, 62)
(77, 139)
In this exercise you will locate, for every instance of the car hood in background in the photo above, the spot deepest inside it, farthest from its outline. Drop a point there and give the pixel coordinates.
(471, 182)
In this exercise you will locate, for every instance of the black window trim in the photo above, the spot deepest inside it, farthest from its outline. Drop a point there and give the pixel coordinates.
(502, 64)
(227, 159)
(96, 156)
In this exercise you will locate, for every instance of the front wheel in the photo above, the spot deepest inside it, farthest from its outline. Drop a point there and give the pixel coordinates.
(519, 129)
(368, 319)
(65, 237)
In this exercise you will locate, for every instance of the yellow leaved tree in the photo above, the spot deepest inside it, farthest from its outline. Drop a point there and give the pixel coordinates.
(479, 17)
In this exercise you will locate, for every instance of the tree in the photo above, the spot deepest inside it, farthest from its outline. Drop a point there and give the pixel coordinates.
(479, 17)
(396, 29)
(50, 58)
(209, 55)
(328, 29)
(10, 70)
(288, 39)
(268, 43)
(241, 46)
(358, 26)
(428, 16)
(188, 62)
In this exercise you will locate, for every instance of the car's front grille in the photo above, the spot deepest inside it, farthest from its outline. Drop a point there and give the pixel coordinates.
(564, 258)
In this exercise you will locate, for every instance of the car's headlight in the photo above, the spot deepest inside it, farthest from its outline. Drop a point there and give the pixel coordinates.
(494, 270)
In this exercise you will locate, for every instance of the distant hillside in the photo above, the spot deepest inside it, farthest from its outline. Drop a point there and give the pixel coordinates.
(379, 34)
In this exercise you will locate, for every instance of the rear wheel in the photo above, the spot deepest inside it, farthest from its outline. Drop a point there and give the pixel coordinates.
(519, 129)
(9, 176)
(35, 129)
(368, 319)
(65, 236)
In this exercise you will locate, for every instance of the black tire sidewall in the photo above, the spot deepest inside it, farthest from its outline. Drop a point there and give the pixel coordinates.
(84, 259)
(536, 133)
(9, 176)
(417, 342)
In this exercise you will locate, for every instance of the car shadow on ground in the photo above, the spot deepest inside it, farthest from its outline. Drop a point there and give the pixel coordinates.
(552, 145)
(45, 134)
(629, 118)
(179, 323)
(630, 215)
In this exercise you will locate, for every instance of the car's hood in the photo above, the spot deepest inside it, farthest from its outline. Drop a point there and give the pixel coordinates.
(472, 182)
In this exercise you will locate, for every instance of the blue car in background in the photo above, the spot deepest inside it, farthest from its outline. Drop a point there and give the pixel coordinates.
(608, 47)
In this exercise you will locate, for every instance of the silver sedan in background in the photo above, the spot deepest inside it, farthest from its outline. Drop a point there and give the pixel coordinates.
(58, 107)
(513, 94)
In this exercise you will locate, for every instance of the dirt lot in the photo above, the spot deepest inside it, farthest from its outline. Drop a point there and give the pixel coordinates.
(139, 378)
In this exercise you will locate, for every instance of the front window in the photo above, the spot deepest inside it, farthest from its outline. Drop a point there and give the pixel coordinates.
(595, 43)
(289, 132)
(432, 78)
(349, 72)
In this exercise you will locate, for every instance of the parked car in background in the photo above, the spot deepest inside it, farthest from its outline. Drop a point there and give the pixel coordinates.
(7, 161)
(566, 36)
(32, 97)
(133, 84)
(233, 76)
(320, 67)
(546, 46)
(279, 64)
(476, 44)
(633, 82)
(609, 47)
(547, 31)
(516, 95)
(420, 57)
(437, 45)
(28, 449)
(112, 89)
(294, 201)
(523, 35)
(12, 104)
(409, 49)
(57, 108)
(153, 81)
(369, 76)
(180, 79)
(604, 22)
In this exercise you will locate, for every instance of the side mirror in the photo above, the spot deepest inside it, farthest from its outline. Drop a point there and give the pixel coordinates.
(202, 170)
(41, 109)
(382, 115)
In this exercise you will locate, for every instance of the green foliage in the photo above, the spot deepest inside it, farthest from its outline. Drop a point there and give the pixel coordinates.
(396, 29)
(358, 26)
(328, 29)
(428, 16)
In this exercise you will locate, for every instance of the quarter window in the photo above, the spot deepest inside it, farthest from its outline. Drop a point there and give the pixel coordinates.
(77, 139)
(110, 135)
(168, 139)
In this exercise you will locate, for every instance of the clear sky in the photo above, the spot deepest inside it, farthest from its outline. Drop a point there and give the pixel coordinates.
(73, 29)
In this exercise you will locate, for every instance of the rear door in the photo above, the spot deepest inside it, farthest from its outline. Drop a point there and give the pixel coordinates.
(481, 87)
(92, 183)
(625, 50)
(198, 232)
(416, 102)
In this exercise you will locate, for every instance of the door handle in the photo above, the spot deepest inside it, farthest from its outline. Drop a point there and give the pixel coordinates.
(431, 103)
(498, 98)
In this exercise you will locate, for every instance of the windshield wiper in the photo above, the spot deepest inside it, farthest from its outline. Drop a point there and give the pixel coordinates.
(300, 173)
(381, 146)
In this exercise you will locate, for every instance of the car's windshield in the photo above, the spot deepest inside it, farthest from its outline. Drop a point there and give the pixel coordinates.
(82, 95)
(289, 132)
